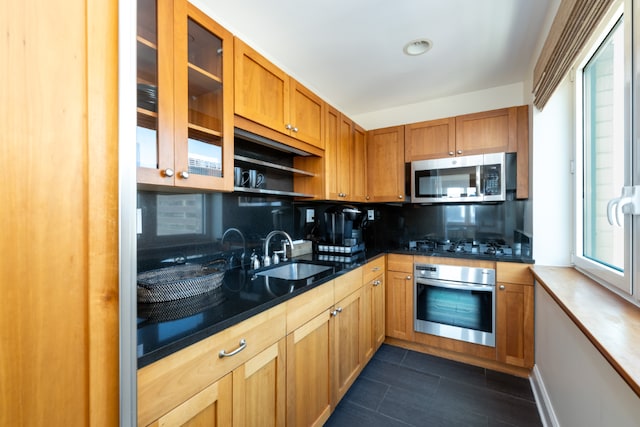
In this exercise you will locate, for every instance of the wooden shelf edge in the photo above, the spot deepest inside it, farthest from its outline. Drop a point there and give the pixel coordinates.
(266, 192)
(272, 165)
(570, 289)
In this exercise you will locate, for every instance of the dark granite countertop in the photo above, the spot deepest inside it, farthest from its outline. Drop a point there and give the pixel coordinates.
(164, 328)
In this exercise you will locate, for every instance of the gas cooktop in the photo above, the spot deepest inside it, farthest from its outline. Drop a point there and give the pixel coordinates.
(486, 249)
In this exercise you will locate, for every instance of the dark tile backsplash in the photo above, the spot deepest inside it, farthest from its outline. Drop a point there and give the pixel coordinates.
(179, 226)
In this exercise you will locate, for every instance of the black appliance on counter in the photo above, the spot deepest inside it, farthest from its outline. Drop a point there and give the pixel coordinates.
(342, 232)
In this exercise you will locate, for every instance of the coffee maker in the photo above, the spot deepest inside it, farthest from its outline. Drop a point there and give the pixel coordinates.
(343, 233)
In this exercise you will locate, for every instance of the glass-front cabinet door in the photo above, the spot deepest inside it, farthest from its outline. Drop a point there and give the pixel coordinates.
(185, 97)
(154, 149)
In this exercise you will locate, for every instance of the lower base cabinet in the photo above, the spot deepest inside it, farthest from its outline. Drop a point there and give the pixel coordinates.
(259, 389)
(349, 360)
(210, 407)
(399, 297)
(299, 361)
(309, 366)
(515, 315)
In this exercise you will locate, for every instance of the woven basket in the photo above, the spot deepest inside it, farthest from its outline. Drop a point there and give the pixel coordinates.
(156, 312)
(181, 281)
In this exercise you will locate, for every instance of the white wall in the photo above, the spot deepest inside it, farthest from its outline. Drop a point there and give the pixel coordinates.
(582, 387)
(470, 102)
(552, 186)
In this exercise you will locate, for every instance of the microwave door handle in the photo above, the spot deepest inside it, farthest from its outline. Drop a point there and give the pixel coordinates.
(479, 188)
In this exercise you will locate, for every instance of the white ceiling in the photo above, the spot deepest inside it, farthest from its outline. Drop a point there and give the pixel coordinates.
(350, 51)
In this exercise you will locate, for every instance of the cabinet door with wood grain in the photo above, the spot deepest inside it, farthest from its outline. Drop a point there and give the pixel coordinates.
(399, 297)
(487, 132)
(261, 89)
(347, 317)
(309, 366)
(514, 314)
(210, 407)
(385, 165)
(259, 389)
(433, 139)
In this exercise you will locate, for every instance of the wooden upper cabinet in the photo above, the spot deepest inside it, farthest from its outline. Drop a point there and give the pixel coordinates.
(433, 139)
(306, 115)
(385, 164)
(185, 98)
(487, 132)
(267, 95)
(344, 178)
(359, 165)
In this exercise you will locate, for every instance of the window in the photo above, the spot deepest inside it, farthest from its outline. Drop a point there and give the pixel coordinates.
(603, 158)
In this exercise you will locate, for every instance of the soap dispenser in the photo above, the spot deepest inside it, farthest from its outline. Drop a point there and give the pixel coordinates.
(255, 262)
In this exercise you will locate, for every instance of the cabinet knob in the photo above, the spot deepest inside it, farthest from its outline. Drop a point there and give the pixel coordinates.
(295, 129)
(168, 172)
(334, 313)
(184, 174)
(400, 196)
(408, 277)
(339, 309)
(377, 283)
(451, 153)
(459, 151)
(288, 126)
(368, 198)
(501, 287)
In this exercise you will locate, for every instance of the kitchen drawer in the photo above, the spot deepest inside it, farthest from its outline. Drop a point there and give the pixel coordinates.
(308, 305)
(400, 263)
(373, 269)
(347, 284)
(170, 381)
(513, 272)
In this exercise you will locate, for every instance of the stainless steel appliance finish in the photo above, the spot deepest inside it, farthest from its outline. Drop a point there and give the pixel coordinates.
(455, 302)
(479, 178)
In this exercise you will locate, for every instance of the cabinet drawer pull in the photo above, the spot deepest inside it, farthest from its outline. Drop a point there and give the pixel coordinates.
(374, 269)
(243, 345)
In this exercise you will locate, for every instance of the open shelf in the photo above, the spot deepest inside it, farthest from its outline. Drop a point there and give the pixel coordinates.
(263, 191)
(272, 165)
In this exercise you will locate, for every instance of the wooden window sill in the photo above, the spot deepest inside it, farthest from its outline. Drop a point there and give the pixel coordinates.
(611, 323)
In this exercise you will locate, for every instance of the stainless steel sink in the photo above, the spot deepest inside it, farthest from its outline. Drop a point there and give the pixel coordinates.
(296, 271)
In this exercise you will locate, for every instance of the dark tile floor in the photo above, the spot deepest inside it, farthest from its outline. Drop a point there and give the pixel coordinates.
(404, 388)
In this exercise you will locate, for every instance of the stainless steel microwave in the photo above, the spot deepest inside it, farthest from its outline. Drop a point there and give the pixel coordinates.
(479, 178)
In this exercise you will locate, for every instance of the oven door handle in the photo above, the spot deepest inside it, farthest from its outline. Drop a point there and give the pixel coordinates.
(455, 285)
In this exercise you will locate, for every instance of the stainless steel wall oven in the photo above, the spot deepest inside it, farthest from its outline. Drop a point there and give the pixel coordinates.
(455, 302)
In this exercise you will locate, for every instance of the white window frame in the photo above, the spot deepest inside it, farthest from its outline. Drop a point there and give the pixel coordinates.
(621, 283)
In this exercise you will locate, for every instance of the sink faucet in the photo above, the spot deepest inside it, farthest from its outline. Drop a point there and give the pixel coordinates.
(244, 244)
(267, 259)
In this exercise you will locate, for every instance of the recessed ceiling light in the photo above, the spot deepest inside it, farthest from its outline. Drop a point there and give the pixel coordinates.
(417, 47)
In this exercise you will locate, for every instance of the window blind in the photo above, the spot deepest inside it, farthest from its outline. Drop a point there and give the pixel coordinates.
(574, 23)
